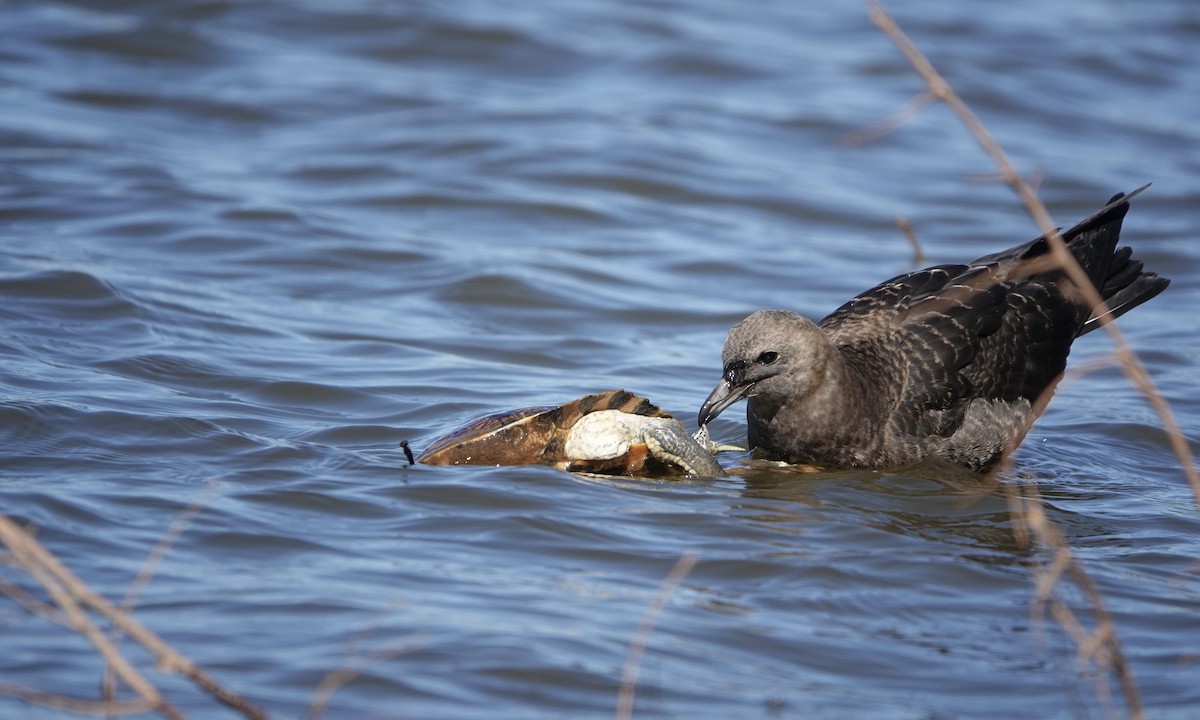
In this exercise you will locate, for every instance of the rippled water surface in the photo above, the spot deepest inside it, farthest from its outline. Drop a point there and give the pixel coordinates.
(248, 248)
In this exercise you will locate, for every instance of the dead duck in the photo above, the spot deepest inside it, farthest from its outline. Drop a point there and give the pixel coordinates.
(613, 433)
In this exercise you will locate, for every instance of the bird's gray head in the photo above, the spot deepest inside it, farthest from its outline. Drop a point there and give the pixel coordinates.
(772, 352)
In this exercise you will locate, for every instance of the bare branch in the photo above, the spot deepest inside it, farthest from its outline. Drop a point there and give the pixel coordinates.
(157, 553)
(338, 678)
(910, 109)
(31, 604)
(1102, 646)
(32, 557)
(75, 705)
(907, 228)
(71, 594)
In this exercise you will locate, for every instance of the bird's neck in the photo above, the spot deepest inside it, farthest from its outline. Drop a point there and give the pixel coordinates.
(820, 416)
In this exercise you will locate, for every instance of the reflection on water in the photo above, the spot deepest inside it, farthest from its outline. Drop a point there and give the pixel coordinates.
(247, 249)
(937, 501)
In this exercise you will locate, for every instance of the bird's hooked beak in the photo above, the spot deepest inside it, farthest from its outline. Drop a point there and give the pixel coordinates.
(722, 396)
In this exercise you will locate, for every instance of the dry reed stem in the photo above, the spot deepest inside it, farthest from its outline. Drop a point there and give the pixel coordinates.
(1031, 524)
(907, 228)
(71, 595)
(637, 646)
(1034, 180)
(910, 109)
(160, 549)
(1102, 646)
(33, 558)
(32, 605)
(75, 705)
(146, 572)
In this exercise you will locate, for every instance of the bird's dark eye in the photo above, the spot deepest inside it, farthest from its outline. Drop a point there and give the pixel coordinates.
(767, 358)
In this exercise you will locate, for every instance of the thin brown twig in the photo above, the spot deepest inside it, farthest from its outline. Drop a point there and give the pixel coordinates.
(1101, 646)
(164, 544)
(338, 678)
(907, 228)
(31, 555)
(75, 705)
(1106, 638)
(1034, 180)
(31, 604)
(1029, 522)
(637, 646)
(71, 593)
(146, 572)
(910, 109)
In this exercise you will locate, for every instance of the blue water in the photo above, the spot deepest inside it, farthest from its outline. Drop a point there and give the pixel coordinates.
(248, 248)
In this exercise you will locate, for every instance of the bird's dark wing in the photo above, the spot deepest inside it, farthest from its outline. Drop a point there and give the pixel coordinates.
(937, 340)
(1000, 331)
(911, 339)
(872, 314)
(1028, 352)
(1025, 356)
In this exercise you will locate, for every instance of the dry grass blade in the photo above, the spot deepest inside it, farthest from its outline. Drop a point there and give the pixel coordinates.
(637, 646)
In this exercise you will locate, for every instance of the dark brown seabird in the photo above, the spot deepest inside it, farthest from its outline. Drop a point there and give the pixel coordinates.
(948, 361)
